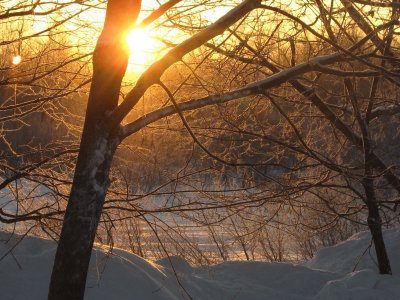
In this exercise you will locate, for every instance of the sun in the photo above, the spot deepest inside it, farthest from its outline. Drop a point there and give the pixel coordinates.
(142, 47)
(16, 60)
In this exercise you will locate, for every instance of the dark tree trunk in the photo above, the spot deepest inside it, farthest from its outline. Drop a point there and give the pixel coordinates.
(82, 216)
(374, 221)
(375, 227)
(98, 144)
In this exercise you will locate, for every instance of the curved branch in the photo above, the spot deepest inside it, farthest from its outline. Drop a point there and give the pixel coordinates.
(155, 71)
(254, 88)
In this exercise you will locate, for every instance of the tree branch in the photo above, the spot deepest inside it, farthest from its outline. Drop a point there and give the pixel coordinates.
(254, 88)
(155, 71)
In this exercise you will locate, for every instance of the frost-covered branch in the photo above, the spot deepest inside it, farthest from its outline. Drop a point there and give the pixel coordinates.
(254, 88)
(384, 111)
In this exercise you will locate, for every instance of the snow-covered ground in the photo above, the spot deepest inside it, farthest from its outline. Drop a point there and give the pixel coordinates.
(25, 272)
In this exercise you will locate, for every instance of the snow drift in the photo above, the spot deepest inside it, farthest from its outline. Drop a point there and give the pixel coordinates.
(25, 273)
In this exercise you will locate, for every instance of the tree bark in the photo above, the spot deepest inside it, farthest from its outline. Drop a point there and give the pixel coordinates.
(98, 144)
(84, 208)
(374, 221)
(375, 227)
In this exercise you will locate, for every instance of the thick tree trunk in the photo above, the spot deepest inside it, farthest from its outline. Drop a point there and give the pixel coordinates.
(82, 217)
(98, 144)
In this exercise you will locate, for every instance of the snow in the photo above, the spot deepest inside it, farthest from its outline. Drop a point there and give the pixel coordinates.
(25, 274)
(7, 201)
(339, 258)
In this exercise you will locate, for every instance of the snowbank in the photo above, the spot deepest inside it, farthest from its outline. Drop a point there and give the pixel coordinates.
(25, 275)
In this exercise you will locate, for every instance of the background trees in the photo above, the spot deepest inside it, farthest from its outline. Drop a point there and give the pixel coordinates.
(278, 120)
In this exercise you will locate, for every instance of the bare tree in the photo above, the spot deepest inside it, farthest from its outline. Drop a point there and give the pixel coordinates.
(102, 134)
(289, 111)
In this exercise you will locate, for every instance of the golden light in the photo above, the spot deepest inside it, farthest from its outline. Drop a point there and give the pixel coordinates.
(16, 60)
(141, 46)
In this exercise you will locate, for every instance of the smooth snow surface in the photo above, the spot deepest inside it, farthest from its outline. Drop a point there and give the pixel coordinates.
(25, 272)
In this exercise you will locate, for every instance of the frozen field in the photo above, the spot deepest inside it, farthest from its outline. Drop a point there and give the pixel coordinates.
(25, 272)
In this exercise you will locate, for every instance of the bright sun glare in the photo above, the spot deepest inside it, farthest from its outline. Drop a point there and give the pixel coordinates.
(16, 59)
(141, 46)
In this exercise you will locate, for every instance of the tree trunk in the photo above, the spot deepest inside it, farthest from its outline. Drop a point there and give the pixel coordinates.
(98, 144)
(82, 217)
(375, 227)
(374, 221)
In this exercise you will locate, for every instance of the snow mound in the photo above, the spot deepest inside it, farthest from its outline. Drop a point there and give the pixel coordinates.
(25, 274)
(355, 253)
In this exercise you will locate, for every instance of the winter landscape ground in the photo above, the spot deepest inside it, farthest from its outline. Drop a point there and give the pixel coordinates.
(345, 271)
